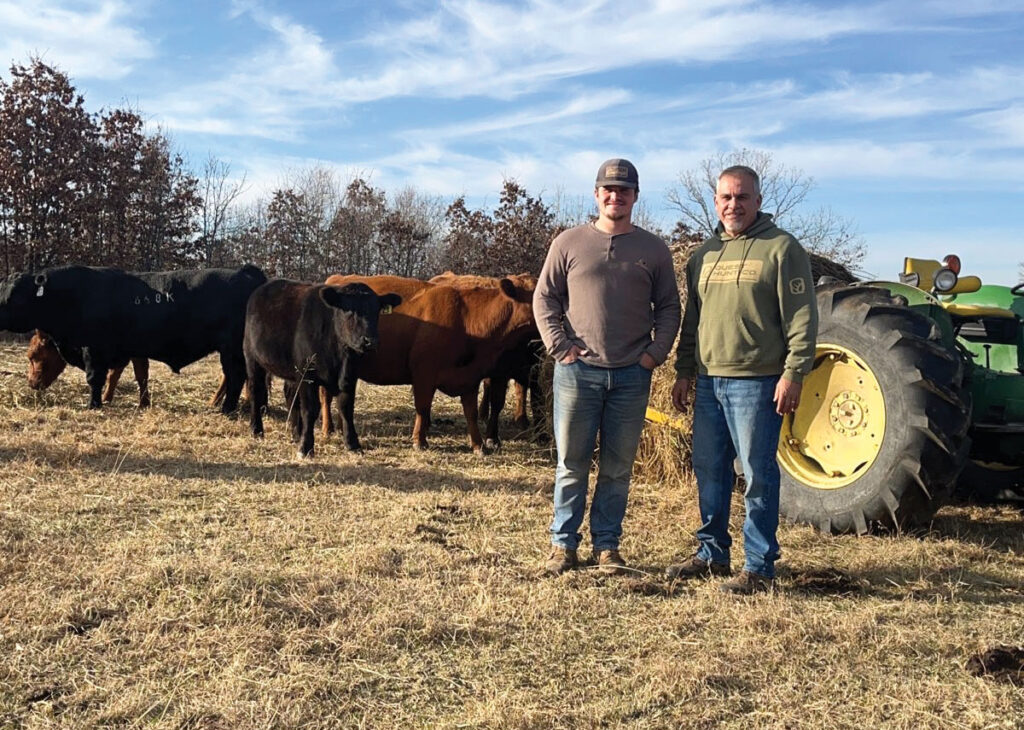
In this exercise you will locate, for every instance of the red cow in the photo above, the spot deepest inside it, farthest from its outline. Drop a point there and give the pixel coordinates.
(518, 365)
(46, 361)
(442, 338)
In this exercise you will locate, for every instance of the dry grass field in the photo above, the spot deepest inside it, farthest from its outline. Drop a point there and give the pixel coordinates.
(162, 569)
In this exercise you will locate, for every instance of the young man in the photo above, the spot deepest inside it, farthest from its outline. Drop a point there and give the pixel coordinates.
(603, 289)
(749, 334)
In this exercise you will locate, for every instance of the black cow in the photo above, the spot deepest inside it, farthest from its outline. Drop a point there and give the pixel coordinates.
(522, 366)
(176, 317)
(312, 335)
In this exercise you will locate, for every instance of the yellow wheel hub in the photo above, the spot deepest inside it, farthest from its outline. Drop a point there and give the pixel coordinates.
(836, 433)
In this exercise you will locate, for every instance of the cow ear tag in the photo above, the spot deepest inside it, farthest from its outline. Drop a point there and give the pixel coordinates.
(386, 309)
(39, 291)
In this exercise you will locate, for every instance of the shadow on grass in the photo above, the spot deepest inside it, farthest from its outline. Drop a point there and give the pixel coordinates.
(318, 470)
(890, 583)
(982, 530)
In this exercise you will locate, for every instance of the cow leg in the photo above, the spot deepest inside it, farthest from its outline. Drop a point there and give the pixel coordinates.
(326, 422)
(141, 367)
(485, 397)
(95, 376)
(258, 397)
(496, 401)
(234, 376)
(519, 419)
(308, 401)
(423, 398)
(294, 406)
(113, 376)
(472, 422)
(218, 395)
(347, 403)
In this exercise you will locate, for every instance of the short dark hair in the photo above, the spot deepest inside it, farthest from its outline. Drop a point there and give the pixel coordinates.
(737, 170)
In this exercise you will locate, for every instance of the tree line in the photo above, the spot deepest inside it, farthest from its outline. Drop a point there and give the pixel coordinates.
(97, 188)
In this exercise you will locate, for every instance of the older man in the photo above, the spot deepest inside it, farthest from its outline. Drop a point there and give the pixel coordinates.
(749, 335)
(605, 286)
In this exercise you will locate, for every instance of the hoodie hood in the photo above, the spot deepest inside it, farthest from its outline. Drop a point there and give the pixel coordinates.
(762, 224)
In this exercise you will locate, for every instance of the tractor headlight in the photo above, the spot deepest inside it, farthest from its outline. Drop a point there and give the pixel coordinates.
(944, 280)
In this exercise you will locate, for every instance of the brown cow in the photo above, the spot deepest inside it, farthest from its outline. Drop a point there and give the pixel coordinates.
(443, 338)
(518, 365)
(47, 360)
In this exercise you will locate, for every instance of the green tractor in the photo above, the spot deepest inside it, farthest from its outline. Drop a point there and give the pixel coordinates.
(917, 389)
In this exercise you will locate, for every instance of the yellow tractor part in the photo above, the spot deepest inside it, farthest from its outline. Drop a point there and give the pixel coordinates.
(663, 418)
(837, 431)
(925, 270)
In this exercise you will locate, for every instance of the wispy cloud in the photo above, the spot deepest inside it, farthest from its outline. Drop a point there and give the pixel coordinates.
(895, 95)
(90, 39)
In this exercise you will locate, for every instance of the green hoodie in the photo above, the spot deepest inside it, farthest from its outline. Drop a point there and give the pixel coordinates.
(750, 306)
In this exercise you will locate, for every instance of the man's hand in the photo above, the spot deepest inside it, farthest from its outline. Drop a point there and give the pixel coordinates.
(575, 352)
(681, 394)
(787, 396)
(647, 362)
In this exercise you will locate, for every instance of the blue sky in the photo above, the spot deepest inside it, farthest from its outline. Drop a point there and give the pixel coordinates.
(908, 115)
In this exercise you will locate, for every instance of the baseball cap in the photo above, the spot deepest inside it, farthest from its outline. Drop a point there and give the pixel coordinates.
(617, 171)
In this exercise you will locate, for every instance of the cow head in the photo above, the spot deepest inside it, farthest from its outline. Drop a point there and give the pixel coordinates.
(358, 309)
(45, 363)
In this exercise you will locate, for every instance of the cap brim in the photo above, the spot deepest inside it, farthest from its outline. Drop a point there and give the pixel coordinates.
(615, 184)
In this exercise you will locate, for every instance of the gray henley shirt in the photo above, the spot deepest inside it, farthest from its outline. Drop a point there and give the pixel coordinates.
(606, 294)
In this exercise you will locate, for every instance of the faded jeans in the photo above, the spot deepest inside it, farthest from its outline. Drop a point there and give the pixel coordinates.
(736, 417)
(590, 401)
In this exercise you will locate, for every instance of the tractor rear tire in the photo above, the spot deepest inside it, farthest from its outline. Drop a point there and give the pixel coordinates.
(881, 432)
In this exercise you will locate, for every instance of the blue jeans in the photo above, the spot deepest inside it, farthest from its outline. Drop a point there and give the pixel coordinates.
(736, 416)
(590, 401)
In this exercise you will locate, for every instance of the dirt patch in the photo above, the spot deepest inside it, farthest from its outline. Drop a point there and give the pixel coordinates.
(826, 582)
(84, 621)
(655, 588)
(1001, 663)
(43, 694)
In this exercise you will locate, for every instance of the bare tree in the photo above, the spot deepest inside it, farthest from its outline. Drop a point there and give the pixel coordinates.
(355, 228)
(571, 210)
(218, 191)
(784, 191)
(409, 237)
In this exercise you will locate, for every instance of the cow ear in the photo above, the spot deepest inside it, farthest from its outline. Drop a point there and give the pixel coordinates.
(508, 288)
(389, 302)
(332, 297)
(515, 293)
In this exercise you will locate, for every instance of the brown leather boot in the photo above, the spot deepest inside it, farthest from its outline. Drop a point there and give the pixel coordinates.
(610, 562)
(561, 560)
